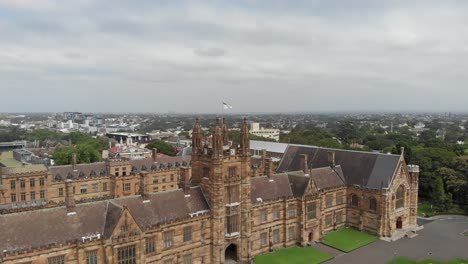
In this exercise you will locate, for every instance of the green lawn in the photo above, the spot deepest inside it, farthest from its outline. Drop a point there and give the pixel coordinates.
(424, 209)
(400, 260)
(293, 255)
(348, 239)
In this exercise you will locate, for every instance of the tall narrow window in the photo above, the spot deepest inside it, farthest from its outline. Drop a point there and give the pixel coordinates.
(339, 198)
(232, 194)
(187, 233)
(168, 239)
(32, 183)
(13, 197)
(263, 216)
(276, 236)
(292, 211)
(41, 182)
(263, 239)
(42, 195)
(150, 245)
(33, 196)
(328, 220)
(372, 204)
(92, 257)
(339, 217)
(400, 197)
(13, 185)
(22, 184)
(329, 200)
(354, 201)
(232, 171)
(188, 259)
(311, 211)
(60, 191)
(232, 225)
(291, 233)
(276, 213)
(126, 255)
(56, 260)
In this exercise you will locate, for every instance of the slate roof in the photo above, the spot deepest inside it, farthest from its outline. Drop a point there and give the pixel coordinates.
(24, 169)
(327, 177)
(371, 170)
(98, 169)
(54, 226)
(291, 184)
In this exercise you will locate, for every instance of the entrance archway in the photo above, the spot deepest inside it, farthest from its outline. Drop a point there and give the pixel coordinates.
(399, 223)
(231, 253)
(310, 237)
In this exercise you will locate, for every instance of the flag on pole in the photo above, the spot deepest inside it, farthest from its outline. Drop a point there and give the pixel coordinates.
(226, 106)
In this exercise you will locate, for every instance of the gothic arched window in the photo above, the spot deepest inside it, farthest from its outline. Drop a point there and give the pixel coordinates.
(400, 197)
(354, 200)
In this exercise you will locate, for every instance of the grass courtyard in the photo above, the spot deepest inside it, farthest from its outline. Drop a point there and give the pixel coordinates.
(294, 255)
(348, 239)
(401, 260)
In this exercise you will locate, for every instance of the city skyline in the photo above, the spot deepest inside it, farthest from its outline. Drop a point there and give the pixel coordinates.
(311, 56)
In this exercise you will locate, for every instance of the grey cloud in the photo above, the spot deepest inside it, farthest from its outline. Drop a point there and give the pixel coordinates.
(297, 56)
(210, 52)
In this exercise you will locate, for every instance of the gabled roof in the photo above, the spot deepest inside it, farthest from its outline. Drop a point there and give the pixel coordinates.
(40, 228)
(371, 170)
(292, 184)
(328, 177)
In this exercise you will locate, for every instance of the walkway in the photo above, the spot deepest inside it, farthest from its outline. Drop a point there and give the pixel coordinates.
(441, 239)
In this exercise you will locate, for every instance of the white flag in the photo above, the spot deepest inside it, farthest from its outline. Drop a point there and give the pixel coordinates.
(226, 106)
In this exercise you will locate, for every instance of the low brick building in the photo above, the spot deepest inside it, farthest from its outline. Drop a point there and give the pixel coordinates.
(221, 211)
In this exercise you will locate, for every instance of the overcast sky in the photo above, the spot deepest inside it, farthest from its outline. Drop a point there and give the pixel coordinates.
(260, 56)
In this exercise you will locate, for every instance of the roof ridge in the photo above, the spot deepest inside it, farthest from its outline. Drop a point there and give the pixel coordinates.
(346, 150)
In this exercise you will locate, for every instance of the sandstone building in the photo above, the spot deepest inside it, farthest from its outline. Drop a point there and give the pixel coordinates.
(221, 211)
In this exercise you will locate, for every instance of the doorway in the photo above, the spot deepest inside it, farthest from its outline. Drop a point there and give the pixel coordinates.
(399, 223)
(231, 253)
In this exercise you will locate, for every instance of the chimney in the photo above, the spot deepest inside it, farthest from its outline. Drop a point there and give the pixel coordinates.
(74, 161)
(402, 151)
(69, 197)
(304, 162)
(331, 158)
(155, 154)
(268, 167)
(143, 188)
(185, 175)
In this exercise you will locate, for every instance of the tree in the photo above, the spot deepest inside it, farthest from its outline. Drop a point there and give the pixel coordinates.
(441, 200)
(84, 154)
(162, 147)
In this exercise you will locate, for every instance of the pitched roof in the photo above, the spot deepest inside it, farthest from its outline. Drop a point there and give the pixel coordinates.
(291, 184)
(54, 226)
(327, 177)
(51, 226)
(371, 170)
(25, 169)
(165, 206)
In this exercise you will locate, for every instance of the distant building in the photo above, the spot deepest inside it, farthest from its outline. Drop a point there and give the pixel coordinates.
(129, 138)
(257, 130)
(215, 212)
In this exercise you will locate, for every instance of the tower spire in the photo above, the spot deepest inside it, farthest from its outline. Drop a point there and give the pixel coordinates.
(225, 133)
(245, 141)
(217, 140)
(197, 137)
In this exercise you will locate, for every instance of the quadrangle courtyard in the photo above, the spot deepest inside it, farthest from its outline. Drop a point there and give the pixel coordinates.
(443, 239)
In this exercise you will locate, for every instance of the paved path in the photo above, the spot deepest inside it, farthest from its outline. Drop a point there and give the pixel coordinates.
(441, 239)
